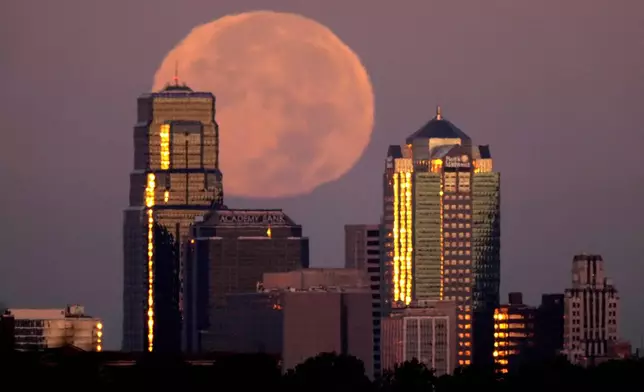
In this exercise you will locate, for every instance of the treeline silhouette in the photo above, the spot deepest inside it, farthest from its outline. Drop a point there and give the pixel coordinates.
(327, 372)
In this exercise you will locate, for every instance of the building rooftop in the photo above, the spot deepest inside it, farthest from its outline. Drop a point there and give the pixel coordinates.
(317, 278)
(246, 217)
(71, 311)
(438, 128)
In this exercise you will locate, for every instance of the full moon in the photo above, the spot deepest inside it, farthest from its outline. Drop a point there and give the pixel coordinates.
(295, 106)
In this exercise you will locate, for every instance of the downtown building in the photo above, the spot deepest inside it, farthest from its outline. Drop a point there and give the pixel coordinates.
(425, 332)
(175, 178)
(441, 231)
(514, 333)
(41, 329)
(228, 252)
(591, 312)
(298, 315)
(363, 248)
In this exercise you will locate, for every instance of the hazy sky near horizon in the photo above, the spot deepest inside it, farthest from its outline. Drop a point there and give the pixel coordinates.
(556, 89)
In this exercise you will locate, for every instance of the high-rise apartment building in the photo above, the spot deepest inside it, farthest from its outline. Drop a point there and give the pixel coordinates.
(514, 332)
(363, 247)
(228, 252)
(176, 178)
(441, 226)
(425, 332)
(38, 329)
(591, 311)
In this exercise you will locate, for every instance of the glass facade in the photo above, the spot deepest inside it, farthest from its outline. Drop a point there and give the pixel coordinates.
(176, 178)
(454, 229)
(486, 248)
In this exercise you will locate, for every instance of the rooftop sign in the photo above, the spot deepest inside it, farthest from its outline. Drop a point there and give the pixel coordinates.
(252, 218)
(462, 161)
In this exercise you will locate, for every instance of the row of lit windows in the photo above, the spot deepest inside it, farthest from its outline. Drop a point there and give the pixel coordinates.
(459, 244)
(509, 326)
(457, 207)
(457, 253)
(457, 298)
(454, 225)
(465, 289)
(457, 280)
(457, 197)
(458, 262)
(460, 215)
(458, 271)
(459, 234)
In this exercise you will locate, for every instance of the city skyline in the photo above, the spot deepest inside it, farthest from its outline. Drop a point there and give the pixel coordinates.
(531, 128)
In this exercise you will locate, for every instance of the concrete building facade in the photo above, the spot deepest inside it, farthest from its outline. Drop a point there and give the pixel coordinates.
(301, 315)
(591, 311)
(39, 329)
(426, 332)
(363, 250)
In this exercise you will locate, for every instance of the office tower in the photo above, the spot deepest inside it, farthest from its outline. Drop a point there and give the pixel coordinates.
(228, 252)
(175, 178)
(425, 332)
(299, 315)
(514, 333)
(363, 247)
(591, 311)
(441, 226)
(549, 328)
(38, 329)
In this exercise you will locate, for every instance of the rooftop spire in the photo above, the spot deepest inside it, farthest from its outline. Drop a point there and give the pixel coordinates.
(175, 78)
(438, 113)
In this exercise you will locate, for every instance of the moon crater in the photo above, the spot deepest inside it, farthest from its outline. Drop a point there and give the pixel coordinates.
(294, 103)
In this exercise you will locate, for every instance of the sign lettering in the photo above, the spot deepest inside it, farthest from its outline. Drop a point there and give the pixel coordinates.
(462, 161)
(264, 219)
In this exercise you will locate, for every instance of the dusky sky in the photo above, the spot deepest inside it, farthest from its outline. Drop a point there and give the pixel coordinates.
(556, 88)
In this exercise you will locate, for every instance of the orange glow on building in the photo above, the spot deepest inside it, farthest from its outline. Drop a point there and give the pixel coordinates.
(149, 203)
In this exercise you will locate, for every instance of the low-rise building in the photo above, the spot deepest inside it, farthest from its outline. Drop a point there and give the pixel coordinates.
(38, 329)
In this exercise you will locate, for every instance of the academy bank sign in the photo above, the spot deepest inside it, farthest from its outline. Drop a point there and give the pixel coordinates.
(462, 161)
(252, 219)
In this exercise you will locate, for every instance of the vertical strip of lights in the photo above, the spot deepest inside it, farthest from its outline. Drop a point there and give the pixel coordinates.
(501, 341)
(436, 167)
(396, 278)
(164, 134)
(149, 203)
(99, 336)
(403, 237)
(409, 245)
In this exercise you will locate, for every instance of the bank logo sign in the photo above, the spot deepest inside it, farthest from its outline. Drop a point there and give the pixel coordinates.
(252, 218)
(458, 162)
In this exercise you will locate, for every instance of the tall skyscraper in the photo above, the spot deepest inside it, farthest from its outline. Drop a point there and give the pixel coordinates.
(591, 311)
(441, 225)
(176, 177)
(363, 247)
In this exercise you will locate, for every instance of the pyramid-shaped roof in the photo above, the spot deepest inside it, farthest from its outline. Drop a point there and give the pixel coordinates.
(438, 128)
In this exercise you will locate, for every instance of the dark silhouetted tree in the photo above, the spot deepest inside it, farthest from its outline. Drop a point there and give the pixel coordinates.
(410, 376)
(328, 372)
